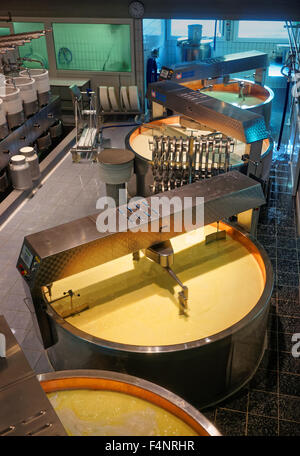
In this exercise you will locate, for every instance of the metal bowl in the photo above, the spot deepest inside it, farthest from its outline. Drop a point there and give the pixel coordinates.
(133, 386)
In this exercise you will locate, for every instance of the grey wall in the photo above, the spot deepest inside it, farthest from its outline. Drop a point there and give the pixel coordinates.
(183, 9)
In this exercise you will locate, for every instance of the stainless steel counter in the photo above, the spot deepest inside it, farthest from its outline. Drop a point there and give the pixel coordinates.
(25, 409)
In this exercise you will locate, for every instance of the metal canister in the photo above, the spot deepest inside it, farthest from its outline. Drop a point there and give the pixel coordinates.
(116, 169)
(44, 141)
(20, 173)
(3, 122)
(32, 160)
(56, 130)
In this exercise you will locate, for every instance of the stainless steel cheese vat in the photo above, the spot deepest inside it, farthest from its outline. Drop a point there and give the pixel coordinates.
(135, 387)
(236, 91)
(203, 371)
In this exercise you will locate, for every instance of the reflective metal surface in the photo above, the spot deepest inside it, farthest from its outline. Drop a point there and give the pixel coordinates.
(246, 126)
(78, 245)
(220, 66)
(25, 409)
(158, 395)
(144, 184)
(243, 89)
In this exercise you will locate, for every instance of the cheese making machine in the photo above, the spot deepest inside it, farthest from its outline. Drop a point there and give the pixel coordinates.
(213, 76)
(61, 255)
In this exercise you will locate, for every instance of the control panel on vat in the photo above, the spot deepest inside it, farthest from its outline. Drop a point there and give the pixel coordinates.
(28, 262)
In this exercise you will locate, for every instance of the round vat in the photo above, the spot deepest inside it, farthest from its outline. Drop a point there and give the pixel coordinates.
(91, 402)
(241, 93)
(138, 141)
(130, 320)
(28, 92)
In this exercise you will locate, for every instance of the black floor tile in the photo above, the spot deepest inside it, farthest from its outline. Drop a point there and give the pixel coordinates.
(286, 254)
(288, 324)
(289, 384)
(288, 308)
(267, 241)
(238, 402)
(266, 230)
(287, 266)
(265, 380)
(263, 403)
(262, 426)
(288, 363)
(286, 243)
(285, 342)
(289, 428)
(286, 231)
(230, 423)
(288, 278)
(289, 293)
(289, 408)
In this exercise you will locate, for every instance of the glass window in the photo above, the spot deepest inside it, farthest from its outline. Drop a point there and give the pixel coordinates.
(37, 48)
(4, 31)
(92, 47)
(152, 27)
(179, 27)
(262, 29)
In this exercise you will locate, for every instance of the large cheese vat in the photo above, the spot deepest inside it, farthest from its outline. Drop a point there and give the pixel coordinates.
(130, 321)
(93, 402)
(241, 93)
(138, 140)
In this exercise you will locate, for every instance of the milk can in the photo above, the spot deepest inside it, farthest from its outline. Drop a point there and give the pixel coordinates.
(32, 160)
(20, 173)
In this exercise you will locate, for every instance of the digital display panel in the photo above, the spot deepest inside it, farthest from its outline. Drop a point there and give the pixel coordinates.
(26, 256)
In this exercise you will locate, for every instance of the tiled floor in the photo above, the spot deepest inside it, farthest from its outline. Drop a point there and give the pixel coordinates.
(270, 404)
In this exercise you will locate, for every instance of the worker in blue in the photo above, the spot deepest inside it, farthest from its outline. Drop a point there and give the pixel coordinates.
(151, 75)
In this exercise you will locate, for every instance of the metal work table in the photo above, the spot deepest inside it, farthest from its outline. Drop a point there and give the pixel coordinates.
(31, 413)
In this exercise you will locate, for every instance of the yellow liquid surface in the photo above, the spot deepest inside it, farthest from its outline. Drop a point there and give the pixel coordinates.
(137, 302)
(109, 413)
(234, 99)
